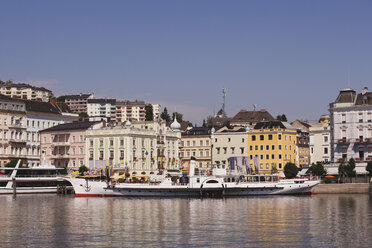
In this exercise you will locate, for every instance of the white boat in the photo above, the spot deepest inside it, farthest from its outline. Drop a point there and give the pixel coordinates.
(220, 184)
(34, 180)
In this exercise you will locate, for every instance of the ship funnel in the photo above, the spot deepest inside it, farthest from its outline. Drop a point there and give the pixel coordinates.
(192, 166)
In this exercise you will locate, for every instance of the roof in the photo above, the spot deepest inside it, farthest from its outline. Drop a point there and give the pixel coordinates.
(346, 96)
(252, 116)
(301, 124)
(270, 125)
(22, 85)
(78, 125)
(44, 107)
(197, 131)
(131, 103)
(226, 129)
(79, 96)
(102, 101)
(63, 107)
(365, 99)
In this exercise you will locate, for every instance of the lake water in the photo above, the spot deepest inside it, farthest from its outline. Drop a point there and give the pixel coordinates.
(280, 221)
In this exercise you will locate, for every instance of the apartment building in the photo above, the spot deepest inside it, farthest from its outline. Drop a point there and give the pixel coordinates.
(102, 108)
(271, 145)
(229, 142)
(196, 143)
(25, 91)
(64, 145)
(320, 142)
(78, 103)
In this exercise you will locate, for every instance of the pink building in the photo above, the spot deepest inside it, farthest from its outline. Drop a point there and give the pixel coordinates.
(64, 145)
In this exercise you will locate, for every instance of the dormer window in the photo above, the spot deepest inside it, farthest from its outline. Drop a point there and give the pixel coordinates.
(365, 99)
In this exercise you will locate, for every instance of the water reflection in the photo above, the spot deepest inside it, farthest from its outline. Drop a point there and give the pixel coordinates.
(318, 221)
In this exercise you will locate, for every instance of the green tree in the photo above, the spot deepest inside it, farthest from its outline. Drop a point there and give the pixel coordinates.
(149, 112)
(317, 169)
(290, 170)
(281, 117)
(61, 99)
(83, 115)
(178, 115)
(369, 168)
(165, 116)
(82, 169)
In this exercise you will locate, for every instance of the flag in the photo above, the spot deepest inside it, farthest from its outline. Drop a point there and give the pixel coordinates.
(232, 163)
(239, 164)
(256, 164)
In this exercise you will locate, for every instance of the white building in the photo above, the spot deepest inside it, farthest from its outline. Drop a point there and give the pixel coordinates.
(105, 108)
(351, 126)
(320, 142)
(228, 143)
(145, 146)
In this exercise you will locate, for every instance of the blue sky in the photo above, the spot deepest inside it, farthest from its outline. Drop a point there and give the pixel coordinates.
(288, 57)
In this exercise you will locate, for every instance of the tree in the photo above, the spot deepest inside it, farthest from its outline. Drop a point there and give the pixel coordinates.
(83, 115)
(281, 117)
(369, 168)
(149, 112)
(317, 169)
(178, 115)
(61, 99)
(164, 115)
(290, 170)
(204, 124)
(347, 169)
(82, 169)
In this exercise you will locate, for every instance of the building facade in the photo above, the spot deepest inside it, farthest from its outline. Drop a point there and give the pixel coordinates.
(271, 145)
(320, 142)
(12, 130)
(25, 91)
(78, 103)
(196, 143)
(104, 108)
(351, 126)
(148, 146)
(227, 143)
(64, 145)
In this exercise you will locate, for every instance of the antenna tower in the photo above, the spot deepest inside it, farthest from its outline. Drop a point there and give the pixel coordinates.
(223, 101)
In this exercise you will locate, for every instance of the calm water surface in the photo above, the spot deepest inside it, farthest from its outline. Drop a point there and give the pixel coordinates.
(60, 221)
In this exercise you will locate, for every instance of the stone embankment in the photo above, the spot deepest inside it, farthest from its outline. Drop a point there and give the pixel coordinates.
(344, 188)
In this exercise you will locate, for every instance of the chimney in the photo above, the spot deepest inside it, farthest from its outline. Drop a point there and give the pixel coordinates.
(364, 90)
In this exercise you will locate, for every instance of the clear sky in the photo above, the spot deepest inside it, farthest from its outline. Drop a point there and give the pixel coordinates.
(287, 56)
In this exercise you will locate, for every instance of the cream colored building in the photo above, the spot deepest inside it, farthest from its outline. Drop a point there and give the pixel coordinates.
(148, 146)
(196, 142)
(25, 91)
(229, 143)
(320, 142)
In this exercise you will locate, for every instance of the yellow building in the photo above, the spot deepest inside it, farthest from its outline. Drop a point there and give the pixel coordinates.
(274, 143)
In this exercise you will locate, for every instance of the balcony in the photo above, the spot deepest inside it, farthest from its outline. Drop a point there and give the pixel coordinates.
(19, 141)
(368, 140)
(60, 156)
(341, 159)
(65, 143)
(359, 140)
(16, 126)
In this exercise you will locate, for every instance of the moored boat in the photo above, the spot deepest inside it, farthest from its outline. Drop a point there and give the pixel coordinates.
(219, 184)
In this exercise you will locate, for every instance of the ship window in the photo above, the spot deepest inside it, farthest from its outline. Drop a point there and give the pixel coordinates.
(212, 181)
(198, 180)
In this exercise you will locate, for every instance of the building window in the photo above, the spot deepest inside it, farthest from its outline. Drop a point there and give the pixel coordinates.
(73, 138)
(262, 137)
(101, 142)
(261, 147)
(279, 137)
(267, 147)
(207, 142)
(280, 165)
(267, 156)
(242, 150)
(272, 156)
(121, 142)
(232, 150)
(218, 150)
(325, 150)
(194, 143)
(201, 143)
(91, 154)
(256, 148)
(273, 147)
(280, 156)
(325, 138)
(251, 148)
(91, 142)
(261, 156)
(207, 153)
(81, 151)
(224, 150)
(267, 166)
(253, 137)
(111, 154)
(242, 140)
(188, 143)
(261, 166)
(81, 138)
(270, 137)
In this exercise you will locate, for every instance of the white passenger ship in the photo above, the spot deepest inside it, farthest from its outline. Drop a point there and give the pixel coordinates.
(220, 184)
(34, 180)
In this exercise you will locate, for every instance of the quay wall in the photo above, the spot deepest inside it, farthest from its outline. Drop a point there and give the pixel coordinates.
(344, 188)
